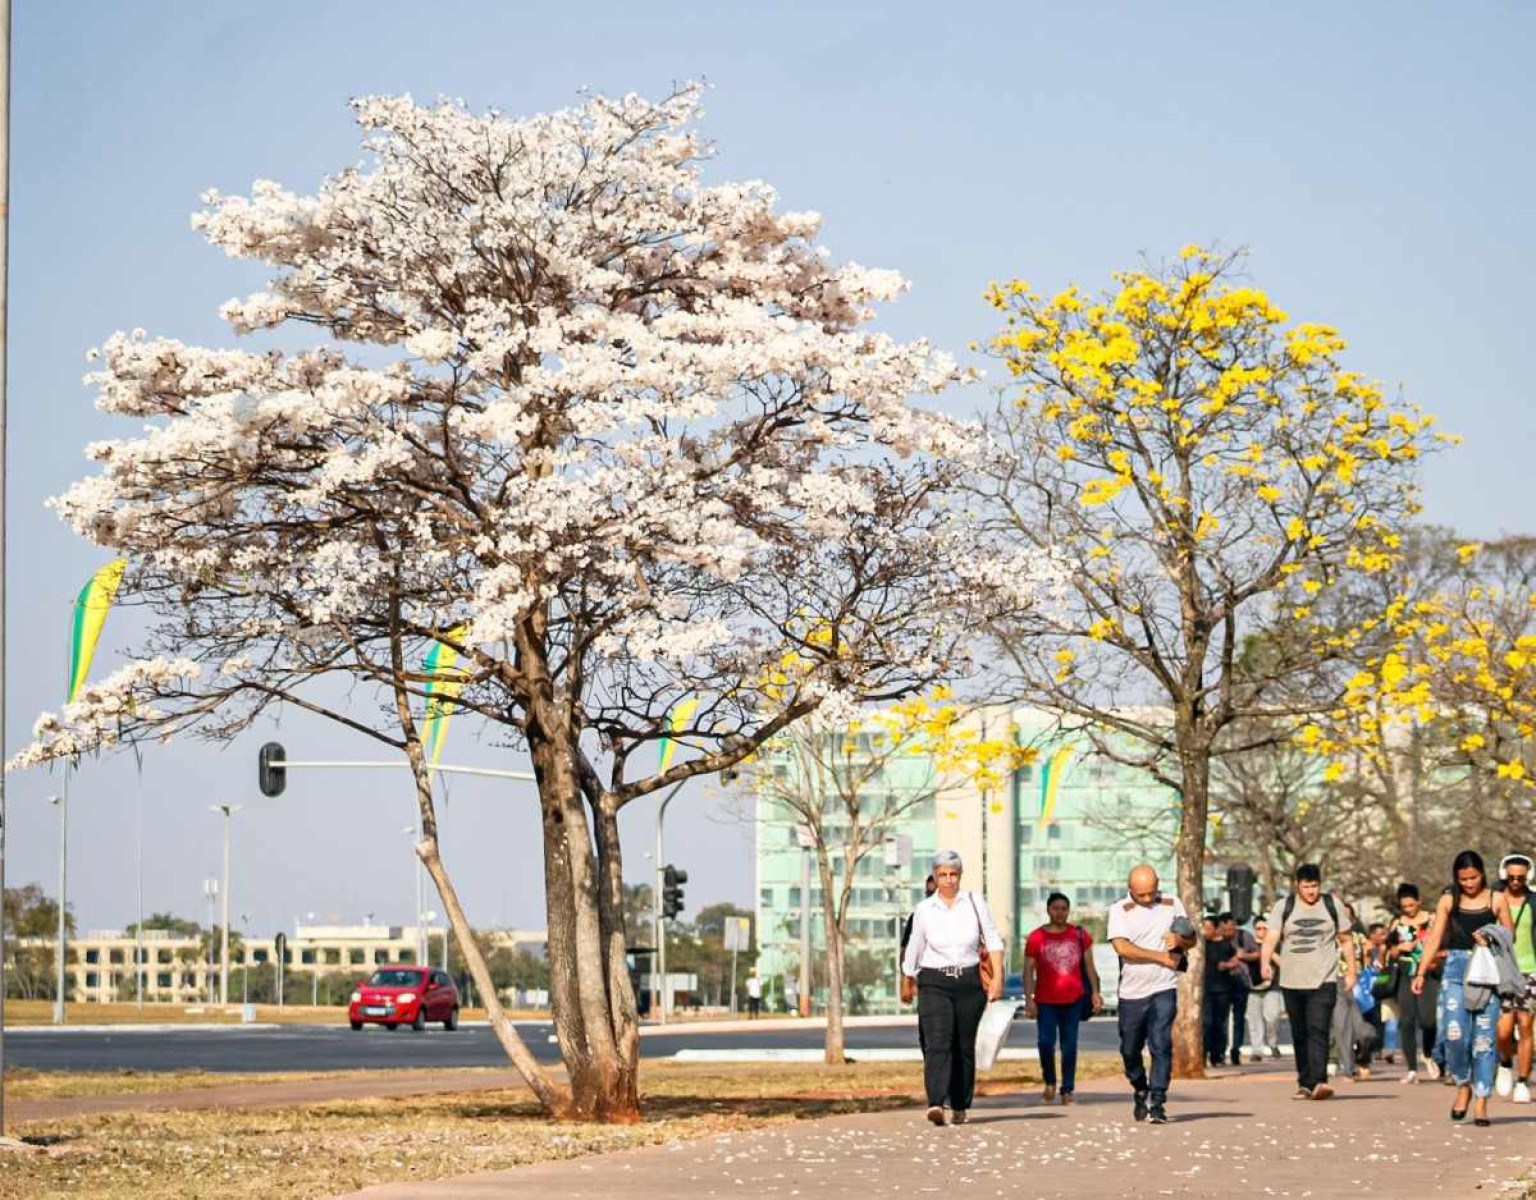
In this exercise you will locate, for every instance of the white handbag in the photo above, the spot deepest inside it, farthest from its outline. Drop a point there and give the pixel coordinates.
(993, 1032)
(1483, 970)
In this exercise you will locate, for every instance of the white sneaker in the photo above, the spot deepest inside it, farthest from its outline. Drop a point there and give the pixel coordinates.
(1411, 1077)
(1522, 1092)
(1504, 1081)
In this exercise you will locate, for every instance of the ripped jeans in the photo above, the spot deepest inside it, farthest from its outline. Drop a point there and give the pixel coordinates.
(1470, 1051)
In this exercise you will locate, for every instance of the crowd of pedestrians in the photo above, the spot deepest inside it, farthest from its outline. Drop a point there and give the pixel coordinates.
(1452, 989)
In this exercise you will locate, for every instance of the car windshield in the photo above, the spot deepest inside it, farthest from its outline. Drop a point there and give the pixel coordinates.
(395, 979)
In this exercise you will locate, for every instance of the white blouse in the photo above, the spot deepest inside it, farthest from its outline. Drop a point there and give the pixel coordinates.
(947, 935)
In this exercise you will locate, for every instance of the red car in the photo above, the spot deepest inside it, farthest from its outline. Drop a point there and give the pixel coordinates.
(406, 994)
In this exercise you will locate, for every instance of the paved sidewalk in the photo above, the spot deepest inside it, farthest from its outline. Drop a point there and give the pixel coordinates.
(1238, 1134)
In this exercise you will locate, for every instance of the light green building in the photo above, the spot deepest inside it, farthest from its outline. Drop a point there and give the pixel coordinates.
(1071, 821)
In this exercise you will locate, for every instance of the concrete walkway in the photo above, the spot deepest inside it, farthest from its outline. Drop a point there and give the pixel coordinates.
(1236, 1135)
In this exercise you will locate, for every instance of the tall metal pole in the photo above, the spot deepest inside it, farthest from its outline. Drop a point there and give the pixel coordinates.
(660, 975)
(229, 811)
(61, 949)
(5, 224)
(805, 931)
(138, 880)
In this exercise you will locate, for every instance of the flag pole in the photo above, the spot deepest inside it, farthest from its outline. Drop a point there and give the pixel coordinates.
(5, 227)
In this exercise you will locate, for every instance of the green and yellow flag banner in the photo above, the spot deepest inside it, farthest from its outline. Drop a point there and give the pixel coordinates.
(91, 608)
(682, 712)
(446, 683)
(1050, 785)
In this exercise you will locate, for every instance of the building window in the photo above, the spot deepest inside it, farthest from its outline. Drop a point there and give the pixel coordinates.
(90, 979)
(307, 957)
(333, 958)
(1053, 833)
(93, 956)
(163, 979)
(381, 956)
(1027, 772)
(115, 957)
(355, 957)
(794, 897)
(164, 956)
(260, 956)
(1026, 834)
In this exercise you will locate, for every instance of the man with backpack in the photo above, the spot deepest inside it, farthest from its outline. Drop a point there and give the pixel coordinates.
(1309, 924)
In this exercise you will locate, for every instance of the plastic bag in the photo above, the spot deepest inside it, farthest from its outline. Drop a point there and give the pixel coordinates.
(993, 1032)
(1483, 970)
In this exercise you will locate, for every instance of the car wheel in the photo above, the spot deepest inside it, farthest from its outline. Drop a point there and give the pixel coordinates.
(451, 1022)
(356, 1025)
(390, 1025)
(419, 1021)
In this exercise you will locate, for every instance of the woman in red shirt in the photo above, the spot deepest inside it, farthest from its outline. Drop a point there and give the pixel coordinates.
(1060, 983)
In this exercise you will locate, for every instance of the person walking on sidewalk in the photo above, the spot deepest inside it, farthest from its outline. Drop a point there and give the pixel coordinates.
(951, 930)
(1152, 934)
(1471, 1053)
(1353, 1036)
(1245, 953)
(1264, 1003)
(1515, 871)
(1059, 979)
(754, 994)
(1220, 958)
(1309, 924)
(1415, 1010)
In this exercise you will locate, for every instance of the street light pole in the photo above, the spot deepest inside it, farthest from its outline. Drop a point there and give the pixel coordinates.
(660, 975)
(62, 803)
(229, 811)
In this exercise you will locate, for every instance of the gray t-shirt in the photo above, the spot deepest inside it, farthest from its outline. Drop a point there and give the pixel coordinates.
(1309, 943)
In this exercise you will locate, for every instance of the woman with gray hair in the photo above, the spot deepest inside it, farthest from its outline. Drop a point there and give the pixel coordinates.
(951, 931)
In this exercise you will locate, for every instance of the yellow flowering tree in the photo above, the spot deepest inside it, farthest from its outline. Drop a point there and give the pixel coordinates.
(1452, 667)
(849, 780)
(1202, 470)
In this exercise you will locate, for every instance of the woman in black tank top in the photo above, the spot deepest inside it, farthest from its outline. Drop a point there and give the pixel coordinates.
(1471, 1053)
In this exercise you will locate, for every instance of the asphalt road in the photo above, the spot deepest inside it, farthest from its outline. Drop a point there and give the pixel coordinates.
(337, 1048)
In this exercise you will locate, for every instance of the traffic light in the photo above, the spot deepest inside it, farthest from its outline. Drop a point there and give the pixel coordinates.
(1240, 880)
(672, 881)
(271, 773)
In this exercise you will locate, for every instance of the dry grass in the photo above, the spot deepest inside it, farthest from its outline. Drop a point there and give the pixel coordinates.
(326, 1149)
(23, 1083)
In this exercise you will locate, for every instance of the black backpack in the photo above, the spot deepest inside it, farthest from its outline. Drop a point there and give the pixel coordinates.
(1290, 907)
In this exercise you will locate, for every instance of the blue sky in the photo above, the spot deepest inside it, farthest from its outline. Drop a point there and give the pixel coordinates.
(1375, 158)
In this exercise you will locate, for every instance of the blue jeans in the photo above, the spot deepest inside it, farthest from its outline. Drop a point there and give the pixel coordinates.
(1471, 1054)
(1148, 1024)
(1063, 1018)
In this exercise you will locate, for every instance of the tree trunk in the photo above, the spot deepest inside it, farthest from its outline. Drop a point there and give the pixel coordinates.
(625, 1097)
(832, 954)
(1189, 857)
(603, 1086)
(555, 1101)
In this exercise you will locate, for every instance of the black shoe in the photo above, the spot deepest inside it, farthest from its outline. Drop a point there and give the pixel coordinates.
(1158, 1115)
(1139, 1111)
(1237, 1058)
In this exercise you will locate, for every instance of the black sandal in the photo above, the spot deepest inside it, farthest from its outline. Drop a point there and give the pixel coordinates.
(1459, 1114)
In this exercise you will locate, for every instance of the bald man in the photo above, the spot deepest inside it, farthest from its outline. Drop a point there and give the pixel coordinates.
(1151, 950)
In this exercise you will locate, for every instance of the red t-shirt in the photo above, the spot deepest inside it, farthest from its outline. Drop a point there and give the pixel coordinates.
(1058, 963)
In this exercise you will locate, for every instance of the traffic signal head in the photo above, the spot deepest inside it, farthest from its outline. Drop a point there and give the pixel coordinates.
(271, 773)
(672, 880)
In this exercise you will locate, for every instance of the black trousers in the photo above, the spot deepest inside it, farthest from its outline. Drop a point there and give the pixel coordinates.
(949, 1009)
(1239, 1019)
(1310, 1012)
(1416, 1017)
(1216, 1014)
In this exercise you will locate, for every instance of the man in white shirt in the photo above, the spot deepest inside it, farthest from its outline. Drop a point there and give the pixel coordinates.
(1151, 949)
(754, 994)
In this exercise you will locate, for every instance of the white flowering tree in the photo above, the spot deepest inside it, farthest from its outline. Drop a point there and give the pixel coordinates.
(615, 436)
